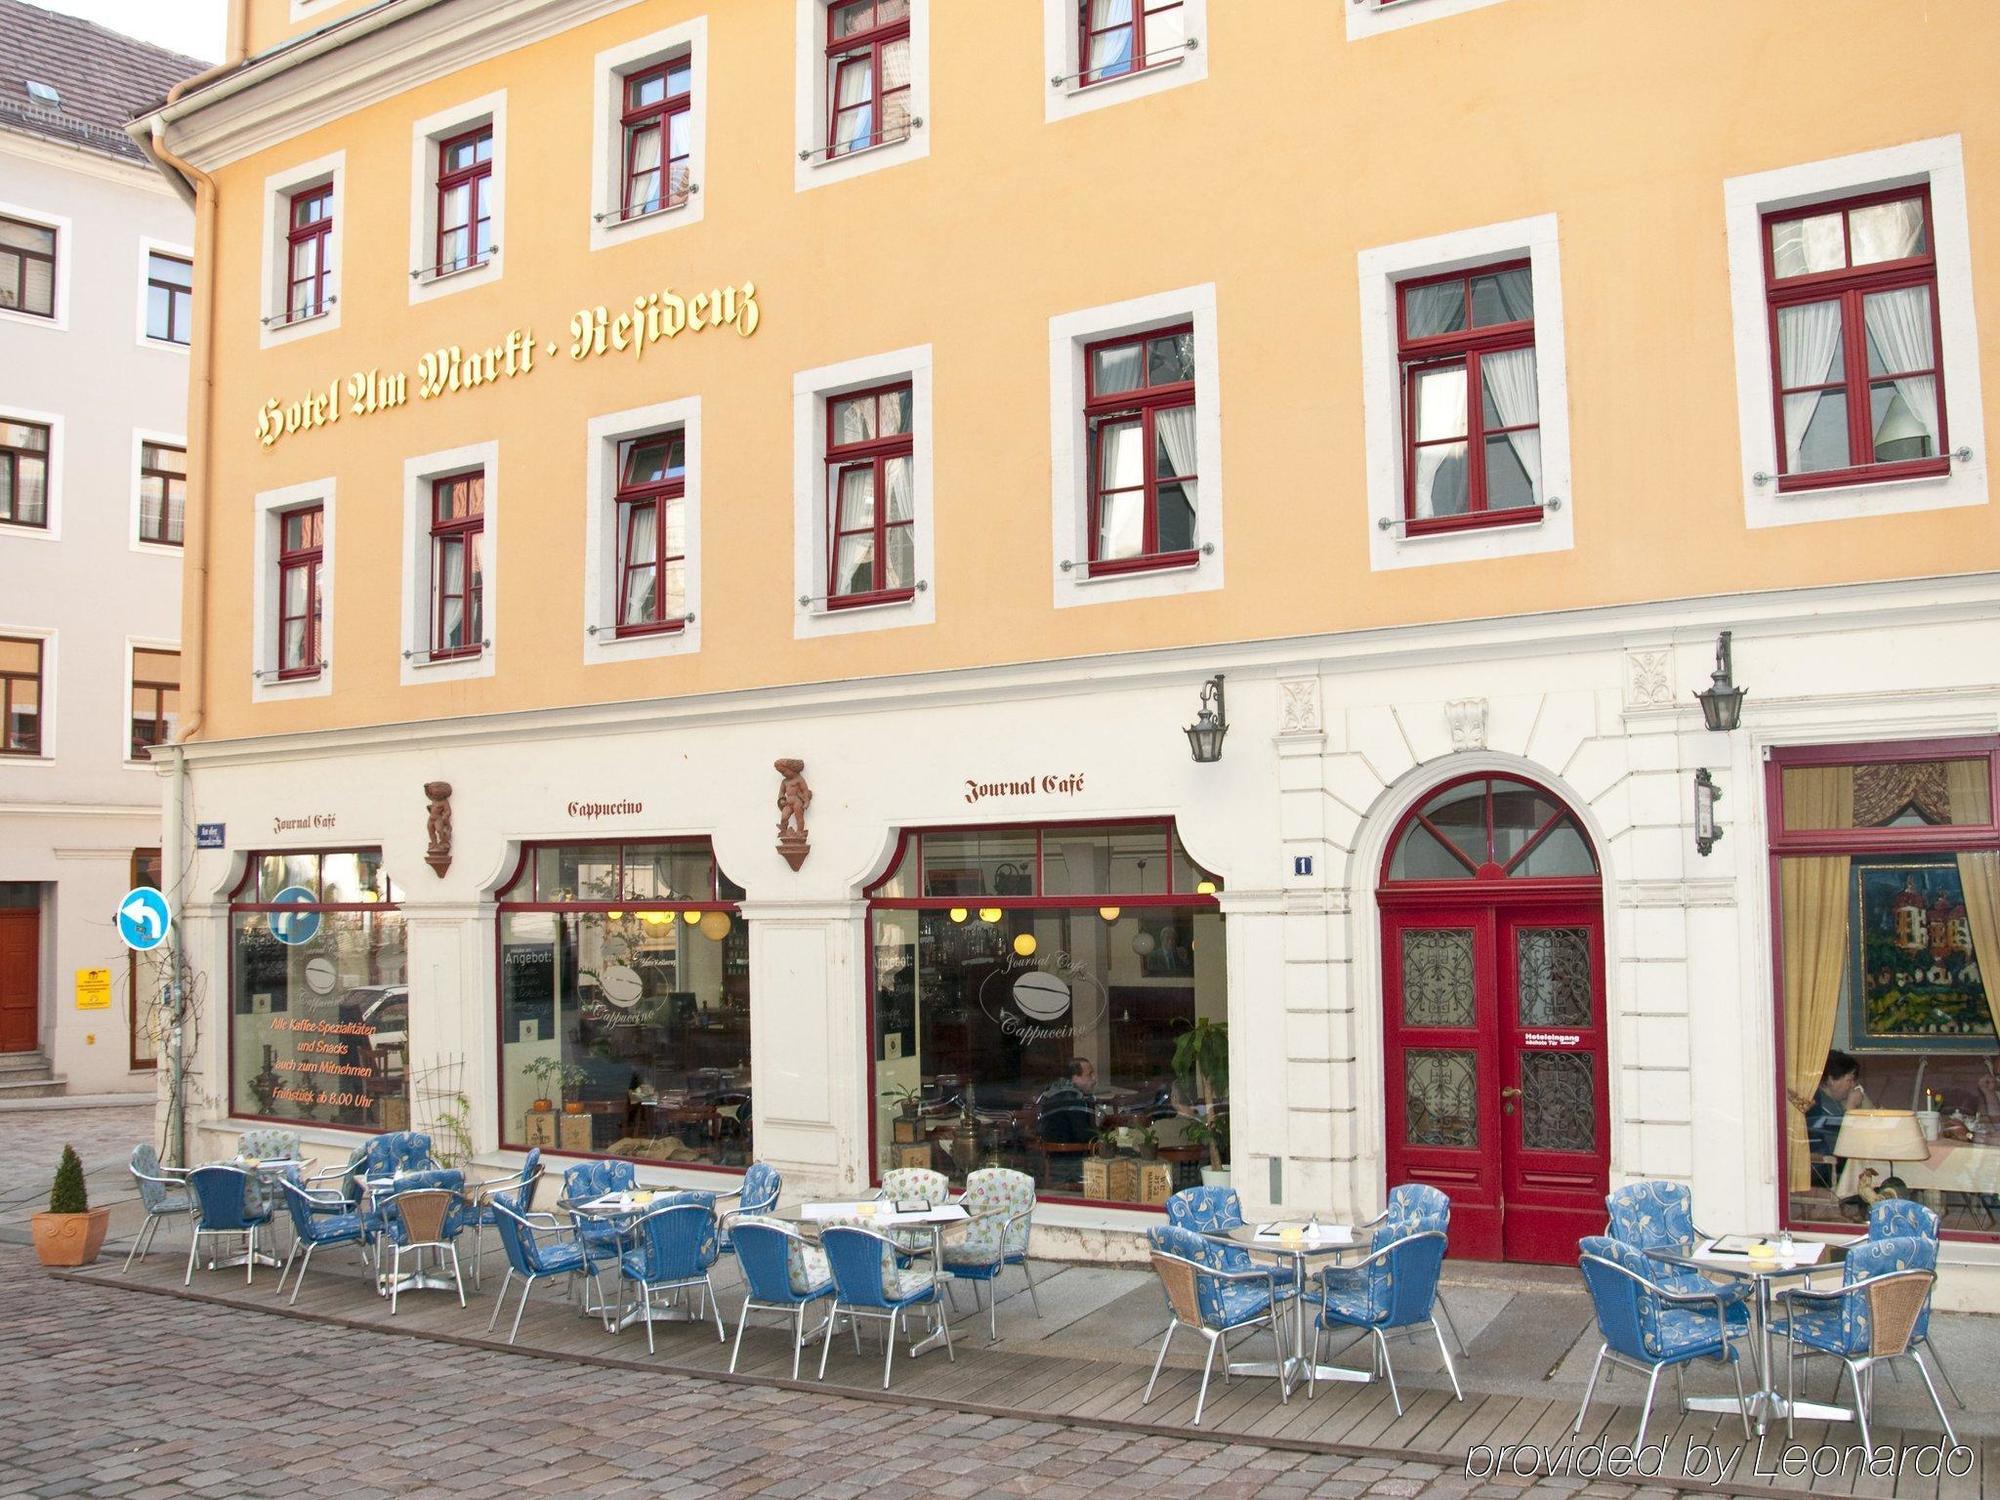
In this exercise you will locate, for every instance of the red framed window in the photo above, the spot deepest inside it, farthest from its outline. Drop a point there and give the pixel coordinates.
(169, 298)
(458, 585)
(870, 497)
(156, 698)
(867, 73)
(301, 552)
(652, 533)
(142, 974)
(1471, 412)
(1139, 414)
(465, 200)
(27, 268)
(1857, 379)
(308, 252)
(24, 474)
(20, 696)
(162, 493)
(1128, 36)
(658, 118)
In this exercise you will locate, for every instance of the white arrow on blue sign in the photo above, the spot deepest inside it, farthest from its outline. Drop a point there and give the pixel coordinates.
(294, 928)
(143, 918)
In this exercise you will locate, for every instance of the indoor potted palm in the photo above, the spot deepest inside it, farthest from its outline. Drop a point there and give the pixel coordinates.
(71, 1232)
(1201, 1064)
(547, 1073)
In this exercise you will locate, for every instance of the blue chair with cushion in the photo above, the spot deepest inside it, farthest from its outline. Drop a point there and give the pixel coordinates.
(1648, 1327)
(320, 1216)
(516, 1190)
(1893, 1218)
(673, 1248)
(539, 1246)
(1207, 1294)
(1870, 1319)
(1652, 1216)
(1394, 1289)
(782, 1273)
(589, 1180)
(871, 1281)
(1215, 1210)
(162, 1193)
(1414, 1207)
(757, 1195)
(227, 1204)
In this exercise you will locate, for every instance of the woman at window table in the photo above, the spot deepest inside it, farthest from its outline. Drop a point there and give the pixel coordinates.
(1839, 1091)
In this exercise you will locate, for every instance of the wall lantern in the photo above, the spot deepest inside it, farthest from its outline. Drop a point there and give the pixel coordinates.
(1722, 700)
(1209, 726)
(1706, 795)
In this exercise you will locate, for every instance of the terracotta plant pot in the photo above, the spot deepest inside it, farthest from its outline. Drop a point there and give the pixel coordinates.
(572, 1108)
(542, 1106)
(70, 1239)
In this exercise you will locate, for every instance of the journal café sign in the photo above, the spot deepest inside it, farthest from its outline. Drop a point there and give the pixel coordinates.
(594, 332)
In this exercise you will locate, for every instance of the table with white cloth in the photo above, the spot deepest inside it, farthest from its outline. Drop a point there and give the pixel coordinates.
(1953, 1167)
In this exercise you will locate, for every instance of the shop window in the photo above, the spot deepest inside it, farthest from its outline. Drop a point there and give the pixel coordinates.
(156, 698)
(1886, 864)
(871, 497)
(625, 1004)
(24, 473)
(301, 558)
(1471, 412)
(21, 696)
(143, 974)
(458, 519)
(27, 267)
(308, 252)
(319, 1009)
(1029, 986)
(162, 493)
(652, 533)
(169, 298)
(1139, 422)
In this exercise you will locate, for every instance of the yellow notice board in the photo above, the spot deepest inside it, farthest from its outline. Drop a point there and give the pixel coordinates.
(93, 989)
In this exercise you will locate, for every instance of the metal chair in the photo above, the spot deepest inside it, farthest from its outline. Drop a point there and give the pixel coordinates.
(757, 1195)
(589, 1180)
(870, 1282)
(1893, 1217)
(782, 1273)
(537, 1250)
(1652, 1216)
(1413, 1207)
(1205, 1295)
(163, 1193)
(1002, 1205)
(1870, 1319)
(676, 1246)
(226, 1204)
(419, 1220)
(477, 1215)
(1215, 1210)
(319, 1217)
(1648, 1328)
(1394, 1288)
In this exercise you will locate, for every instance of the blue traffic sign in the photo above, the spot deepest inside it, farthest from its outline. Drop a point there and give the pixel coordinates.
(210, 835)
(143, 919)
(294, 928)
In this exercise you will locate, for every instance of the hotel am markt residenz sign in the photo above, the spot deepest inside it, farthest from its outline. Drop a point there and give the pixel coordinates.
(593, 332)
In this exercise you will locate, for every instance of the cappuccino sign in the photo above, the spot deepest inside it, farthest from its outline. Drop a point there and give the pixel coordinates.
(1031, 1001)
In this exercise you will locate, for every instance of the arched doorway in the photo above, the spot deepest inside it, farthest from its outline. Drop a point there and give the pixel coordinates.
(1493, 1016)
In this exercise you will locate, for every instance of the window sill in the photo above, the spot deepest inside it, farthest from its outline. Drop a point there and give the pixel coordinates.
(25, 758)
(644, 632)
(153, 343)
(292, 679)
(887, 597)
(1524, 515)
(429, 276)
(421, 660)
(1076, 89)
(613, 219)
(279, 323)
(42, 320)
(1125, 567)
(1863, 479)
(825, 156)
(24, 528)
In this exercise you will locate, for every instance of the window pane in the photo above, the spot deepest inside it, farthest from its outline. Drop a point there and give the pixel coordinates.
(1565, 851)
(294, 645)
(1086, 861)
(649, 89)
(23, 435)
(1459, 813)
(1898, 326)
(1121, 525)
(27, 236)
(894, 407)
(159, 312)
(1504, 297)
(1887, 231)
(1429, 310)
(673, 591)
(857, 498)
(1507, 388)
(654, 460)
(1509, 485)
(680, 77)
(849, 19)
(902, 500)
(1802, 246)
(1440, 403)
(1176, 521)
(641, 585)
(1816, 431)
(1174, 443)
(854, 419)
(1166, 31)
(1441, 480)
(1888, 794)
(998, 863)
(899, 565)
(1121, 456)
(854, 564)
(1518, 811)
(1115, 369)
(577, 872)
(40, 293)
(1170, 360)
(167, 268)
(17, 656)
(1903, 418)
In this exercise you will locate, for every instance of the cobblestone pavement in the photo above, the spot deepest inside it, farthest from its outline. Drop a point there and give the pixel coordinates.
(31, 1142)
(113, 1393)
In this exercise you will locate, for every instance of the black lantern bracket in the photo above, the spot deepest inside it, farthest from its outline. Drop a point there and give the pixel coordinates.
(1722, 700)
(1210, 724)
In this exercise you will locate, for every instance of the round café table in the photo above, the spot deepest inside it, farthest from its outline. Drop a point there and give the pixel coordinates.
(1334, 1241)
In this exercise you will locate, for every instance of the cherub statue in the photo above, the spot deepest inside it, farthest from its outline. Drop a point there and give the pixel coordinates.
(794, 797)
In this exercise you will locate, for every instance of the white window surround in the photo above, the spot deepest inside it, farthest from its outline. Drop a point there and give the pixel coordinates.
(1381, 270)
(1940, 162)
(265, 508)
(602, 435)
(1366, 18)
(415, 634)
(148, 247)
(137, 643)
(64, 262)
(1061, 59)
(425, 136)
(52, 531)
(815, 169)
(1069, 453)
(607, 138)
(811, 390)
(140, 437)
(47, 636)
(273, 280)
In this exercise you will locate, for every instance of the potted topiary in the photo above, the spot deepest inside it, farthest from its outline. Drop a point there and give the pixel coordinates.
(71, 1232)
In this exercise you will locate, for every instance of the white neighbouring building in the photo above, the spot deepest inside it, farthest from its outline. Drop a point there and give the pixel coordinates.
(95, 310)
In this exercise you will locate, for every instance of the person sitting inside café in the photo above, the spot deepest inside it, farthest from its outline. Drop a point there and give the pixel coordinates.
(1067, 1109)
(1839, 1091)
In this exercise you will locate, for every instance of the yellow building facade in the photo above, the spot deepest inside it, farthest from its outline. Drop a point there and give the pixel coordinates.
(939, 395)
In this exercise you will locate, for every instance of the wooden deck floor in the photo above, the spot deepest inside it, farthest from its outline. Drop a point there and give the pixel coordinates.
(1033, 1373)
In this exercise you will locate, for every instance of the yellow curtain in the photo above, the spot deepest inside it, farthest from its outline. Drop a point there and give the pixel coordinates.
(1812, 909)
(1979, 874)
(1968, 791)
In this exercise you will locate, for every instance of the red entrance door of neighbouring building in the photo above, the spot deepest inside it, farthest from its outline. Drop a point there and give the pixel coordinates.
(20, 979)
(1494, 1018)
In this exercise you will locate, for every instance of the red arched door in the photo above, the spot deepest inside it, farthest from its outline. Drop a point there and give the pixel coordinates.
(1493, 1017)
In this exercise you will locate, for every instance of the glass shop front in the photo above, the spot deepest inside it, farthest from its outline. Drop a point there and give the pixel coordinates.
(625, 1004)
(1039, 999)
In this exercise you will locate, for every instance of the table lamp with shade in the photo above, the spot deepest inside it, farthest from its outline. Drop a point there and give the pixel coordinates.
(1882, 1135)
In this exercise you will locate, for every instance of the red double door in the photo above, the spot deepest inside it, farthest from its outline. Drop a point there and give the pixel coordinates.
(20, 980)
(1495, 1038)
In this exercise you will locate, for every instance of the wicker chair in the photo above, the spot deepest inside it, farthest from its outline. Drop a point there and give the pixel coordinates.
(1207, 1297)
(418, 1220)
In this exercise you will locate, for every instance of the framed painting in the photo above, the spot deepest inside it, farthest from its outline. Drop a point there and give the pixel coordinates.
(1917, 981)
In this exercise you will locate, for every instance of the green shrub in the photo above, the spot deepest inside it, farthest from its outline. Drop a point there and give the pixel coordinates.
(68, 1195)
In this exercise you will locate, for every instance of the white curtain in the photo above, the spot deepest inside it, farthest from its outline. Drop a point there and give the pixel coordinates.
(1808, 343)
(1429, 310)
(643, 190)
(1510, 382)
(1175, 427)
(1886, 231)
(855, 84)
(1900, 324)
(902, 505)
(640, 550)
